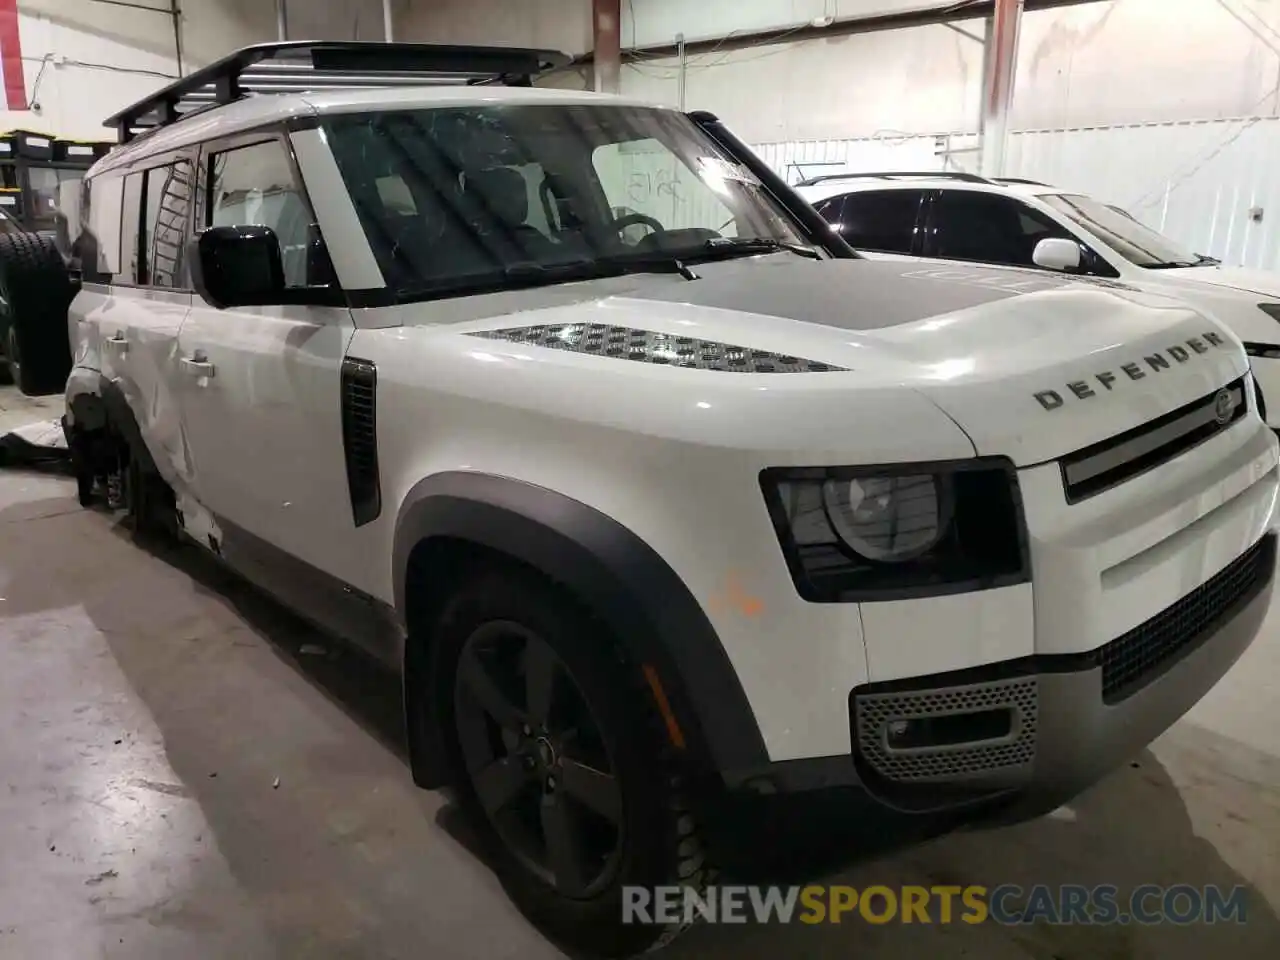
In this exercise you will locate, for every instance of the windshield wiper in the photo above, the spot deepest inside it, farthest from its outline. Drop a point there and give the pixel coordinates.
(525, 274)
(759, 245)
(1203, 261)
(656, 261)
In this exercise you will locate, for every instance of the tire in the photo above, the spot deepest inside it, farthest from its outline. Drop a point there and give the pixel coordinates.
(499, 623)
(35, 292)
(9, 362)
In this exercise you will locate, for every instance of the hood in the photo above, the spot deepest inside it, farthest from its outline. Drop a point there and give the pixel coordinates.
(1030, 365)
(1260, 283)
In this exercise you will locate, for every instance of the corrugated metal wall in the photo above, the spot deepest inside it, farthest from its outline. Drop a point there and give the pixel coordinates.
(1213, 185)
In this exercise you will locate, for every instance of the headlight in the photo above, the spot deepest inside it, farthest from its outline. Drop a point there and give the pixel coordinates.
(856, 534)
(888, 519)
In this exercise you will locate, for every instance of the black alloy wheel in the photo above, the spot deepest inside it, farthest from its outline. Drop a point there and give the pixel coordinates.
(536, 758)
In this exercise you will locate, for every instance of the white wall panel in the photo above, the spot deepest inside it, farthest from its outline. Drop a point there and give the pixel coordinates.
(1197, 182)
(76, 78)
(1127, 61)
(798, 160)
(901, 81)
(648, 23)
(83, 61)
(550, 24)
(1110, 62)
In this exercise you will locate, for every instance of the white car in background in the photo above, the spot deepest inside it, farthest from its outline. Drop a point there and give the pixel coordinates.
(961, 216)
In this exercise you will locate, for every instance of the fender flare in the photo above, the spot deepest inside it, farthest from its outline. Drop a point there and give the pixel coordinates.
(618, 576)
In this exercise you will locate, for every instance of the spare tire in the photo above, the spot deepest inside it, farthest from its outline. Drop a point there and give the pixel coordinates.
(35, 292)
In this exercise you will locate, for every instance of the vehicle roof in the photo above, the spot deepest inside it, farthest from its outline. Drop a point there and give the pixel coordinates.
(262, 109)
(855, 183)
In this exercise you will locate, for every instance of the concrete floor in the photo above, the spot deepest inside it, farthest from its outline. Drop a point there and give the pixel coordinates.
(188, 772)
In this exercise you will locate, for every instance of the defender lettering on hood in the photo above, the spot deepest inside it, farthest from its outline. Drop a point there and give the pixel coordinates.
(1156, 362)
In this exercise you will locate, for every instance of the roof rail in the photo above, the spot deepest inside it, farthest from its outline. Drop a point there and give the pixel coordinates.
(304, 65)
(1030, 183)
(893, 174)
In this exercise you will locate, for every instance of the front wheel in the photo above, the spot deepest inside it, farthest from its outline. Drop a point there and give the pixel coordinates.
(558, 763)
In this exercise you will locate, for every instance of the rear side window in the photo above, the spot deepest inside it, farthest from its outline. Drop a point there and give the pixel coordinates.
(98, 246)
(166, 214)
(881, 220)
(988, 228)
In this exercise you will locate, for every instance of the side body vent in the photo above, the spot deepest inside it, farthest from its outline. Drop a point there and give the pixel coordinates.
(360, 438)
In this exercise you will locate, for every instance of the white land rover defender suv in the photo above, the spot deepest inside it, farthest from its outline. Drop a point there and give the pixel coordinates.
(660, 524)
(1015, 222)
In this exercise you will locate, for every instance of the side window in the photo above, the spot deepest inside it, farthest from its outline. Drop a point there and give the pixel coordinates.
(98, 246)
(130, 270)
(832, 211)
(254, 186)
(988, 228)
(881, 220)
(166, 215)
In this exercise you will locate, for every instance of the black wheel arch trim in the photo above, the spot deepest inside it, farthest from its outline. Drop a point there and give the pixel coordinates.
(120, 418)
(618, 576)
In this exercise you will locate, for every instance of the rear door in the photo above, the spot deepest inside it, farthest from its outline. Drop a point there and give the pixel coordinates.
(880, 221)
(986, 228)
(135, 321)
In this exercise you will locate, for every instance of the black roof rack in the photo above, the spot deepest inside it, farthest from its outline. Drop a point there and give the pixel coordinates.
(893, 174)
(305, 65)
(1030, 183)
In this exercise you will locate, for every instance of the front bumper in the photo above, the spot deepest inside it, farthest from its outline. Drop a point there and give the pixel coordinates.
(1025, 736)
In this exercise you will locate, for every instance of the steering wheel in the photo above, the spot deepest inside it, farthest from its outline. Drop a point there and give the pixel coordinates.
(636, 219)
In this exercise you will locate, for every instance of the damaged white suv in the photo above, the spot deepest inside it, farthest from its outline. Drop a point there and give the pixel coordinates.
(665, 501)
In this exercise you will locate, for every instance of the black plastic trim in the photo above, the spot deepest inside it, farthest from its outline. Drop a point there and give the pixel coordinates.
(815, 228)
(618, 576)
(1080, 491)
(329, 603)
(897, 175)
(1265, 351)
(771, 476)
(359, 386)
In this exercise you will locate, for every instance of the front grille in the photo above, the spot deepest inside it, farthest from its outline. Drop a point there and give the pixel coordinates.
(1133, 660)
(1089, 472)
(874, 712)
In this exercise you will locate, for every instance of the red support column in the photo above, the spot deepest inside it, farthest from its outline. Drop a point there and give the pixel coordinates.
(606, 18)
(15, 81)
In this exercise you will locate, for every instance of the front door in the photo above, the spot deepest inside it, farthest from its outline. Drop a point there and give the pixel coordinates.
(261, 385)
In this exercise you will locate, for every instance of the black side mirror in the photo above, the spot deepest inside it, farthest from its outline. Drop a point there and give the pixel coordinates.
(320, 271)
(237, 266)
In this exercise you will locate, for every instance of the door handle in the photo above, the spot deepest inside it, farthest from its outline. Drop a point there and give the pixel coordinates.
(197, 366)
